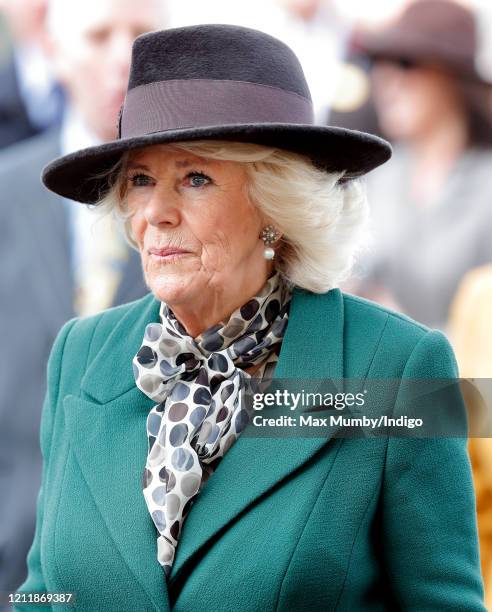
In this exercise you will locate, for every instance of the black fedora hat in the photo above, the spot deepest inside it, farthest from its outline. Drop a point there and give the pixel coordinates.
(215, 82)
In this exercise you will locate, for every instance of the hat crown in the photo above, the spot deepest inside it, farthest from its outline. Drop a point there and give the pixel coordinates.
(453, 23)
(218, 52)
(438, 31)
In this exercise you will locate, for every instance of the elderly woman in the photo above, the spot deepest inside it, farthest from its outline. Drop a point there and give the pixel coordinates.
(246, 216)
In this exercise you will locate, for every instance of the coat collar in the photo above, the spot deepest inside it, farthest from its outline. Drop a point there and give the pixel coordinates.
(312, 348)
(315, 325)
(110, 374)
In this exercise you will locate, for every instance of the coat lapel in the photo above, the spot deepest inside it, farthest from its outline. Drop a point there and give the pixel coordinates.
(110, 445)
(106, 433)
(106, 428)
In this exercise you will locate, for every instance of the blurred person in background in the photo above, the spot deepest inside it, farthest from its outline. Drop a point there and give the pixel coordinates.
(470, 323)
(57, 259)
(31, 100)
(470, 331)
(319, 34)
(431, 215)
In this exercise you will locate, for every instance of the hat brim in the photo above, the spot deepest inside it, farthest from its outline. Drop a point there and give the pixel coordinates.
(77, 176)
(419, 47)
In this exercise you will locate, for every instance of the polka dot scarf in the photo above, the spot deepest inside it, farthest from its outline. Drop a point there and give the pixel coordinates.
(197, 384)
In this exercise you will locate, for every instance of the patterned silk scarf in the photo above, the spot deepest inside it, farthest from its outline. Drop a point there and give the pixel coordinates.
(199, 384)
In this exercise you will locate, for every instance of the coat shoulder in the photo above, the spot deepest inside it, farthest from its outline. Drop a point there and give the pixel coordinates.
(377, 340)
(357, 308)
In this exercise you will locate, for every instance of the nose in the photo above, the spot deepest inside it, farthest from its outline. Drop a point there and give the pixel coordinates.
(162, 208)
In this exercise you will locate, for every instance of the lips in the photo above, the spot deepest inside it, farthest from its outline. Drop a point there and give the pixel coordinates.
(165, 252)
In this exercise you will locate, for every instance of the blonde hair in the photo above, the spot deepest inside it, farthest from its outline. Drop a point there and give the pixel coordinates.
(322, 221)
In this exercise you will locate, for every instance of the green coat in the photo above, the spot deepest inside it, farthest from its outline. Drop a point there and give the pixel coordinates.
(286, 524)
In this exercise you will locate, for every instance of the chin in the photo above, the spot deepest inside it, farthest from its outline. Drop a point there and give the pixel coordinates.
(172, 289)
(171, 282)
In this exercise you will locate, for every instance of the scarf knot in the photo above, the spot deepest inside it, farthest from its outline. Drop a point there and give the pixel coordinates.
(198, 385)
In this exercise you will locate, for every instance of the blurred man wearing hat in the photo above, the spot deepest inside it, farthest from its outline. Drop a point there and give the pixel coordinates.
(57, 254)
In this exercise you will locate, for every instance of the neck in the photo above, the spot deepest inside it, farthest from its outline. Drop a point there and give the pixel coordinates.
(443, 140)
(217, 305)
(435, 153)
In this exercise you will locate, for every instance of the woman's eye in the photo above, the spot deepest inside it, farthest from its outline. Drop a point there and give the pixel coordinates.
(140, 180)
(198, 179)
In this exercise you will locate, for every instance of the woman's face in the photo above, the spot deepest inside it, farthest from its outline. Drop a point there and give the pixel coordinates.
(410, 100)
(197, 231)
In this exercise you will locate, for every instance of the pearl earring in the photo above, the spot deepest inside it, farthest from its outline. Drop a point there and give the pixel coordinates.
(269, 235)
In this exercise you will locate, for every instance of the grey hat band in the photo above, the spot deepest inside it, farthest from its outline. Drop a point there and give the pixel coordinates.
(184, 103)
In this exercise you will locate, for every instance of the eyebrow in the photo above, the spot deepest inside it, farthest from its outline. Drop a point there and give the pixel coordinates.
(134, 166)
(178, 164)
